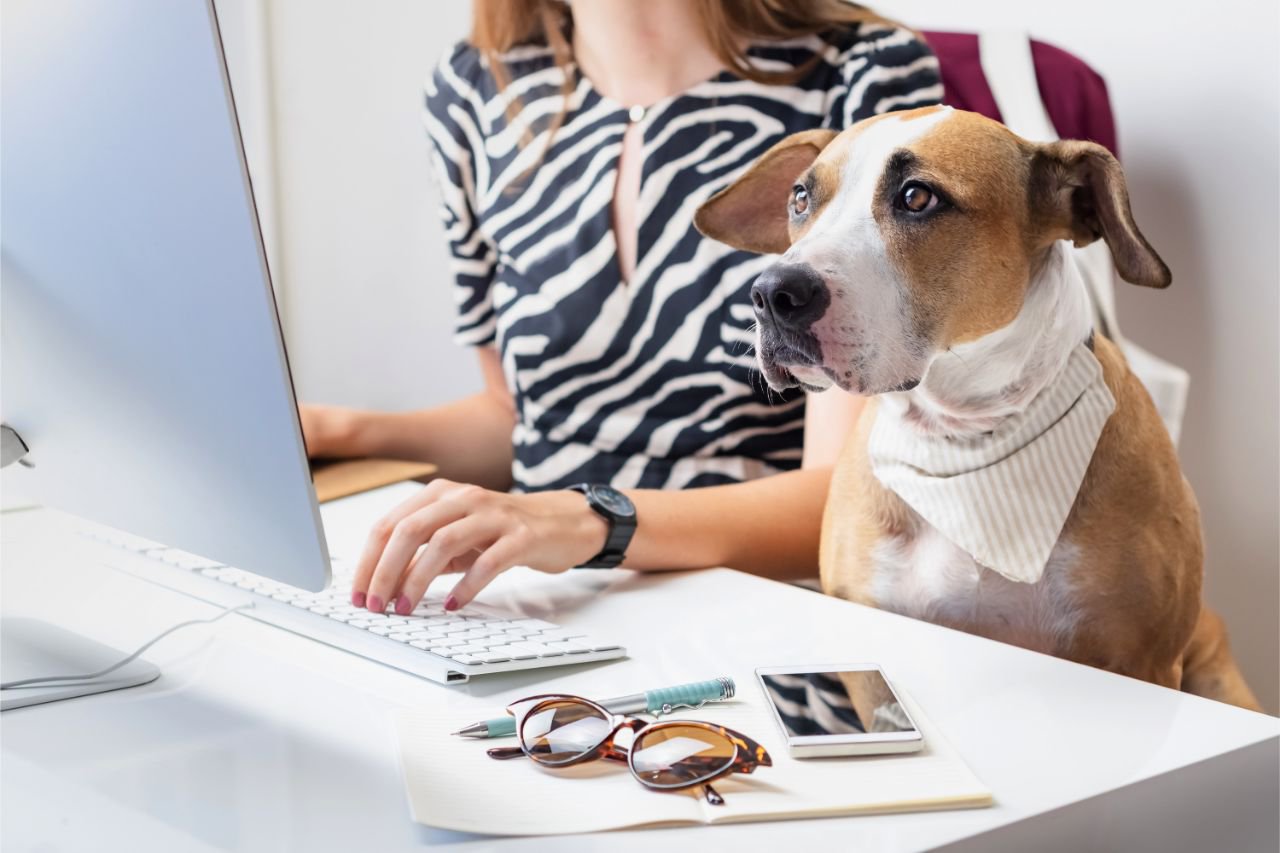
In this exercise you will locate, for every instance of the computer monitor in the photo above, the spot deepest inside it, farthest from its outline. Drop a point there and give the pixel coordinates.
(142, 361)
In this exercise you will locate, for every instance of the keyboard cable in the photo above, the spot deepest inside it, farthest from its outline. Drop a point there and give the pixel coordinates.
(93, 676)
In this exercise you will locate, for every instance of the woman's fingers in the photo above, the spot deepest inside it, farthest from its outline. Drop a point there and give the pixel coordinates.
(426, 568)
(496, 559)
(444, 541)
(388, 526)
(451, 527)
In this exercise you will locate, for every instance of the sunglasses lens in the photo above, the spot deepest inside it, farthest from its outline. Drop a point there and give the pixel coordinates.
(675, 756)
(561, 730)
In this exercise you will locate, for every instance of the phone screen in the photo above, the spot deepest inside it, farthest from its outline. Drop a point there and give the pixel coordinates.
(813, 704)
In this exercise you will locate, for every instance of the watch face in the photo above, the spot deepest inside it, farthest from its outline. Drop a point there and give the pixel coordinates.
(613, 501)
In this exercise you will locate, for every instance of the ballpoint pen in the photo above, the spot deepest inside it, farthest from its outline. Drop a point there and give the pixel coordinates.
(659, 701)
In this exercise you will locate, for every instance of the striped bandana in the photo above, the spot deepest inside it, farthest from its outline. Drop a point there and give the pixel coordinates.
(1003, 497)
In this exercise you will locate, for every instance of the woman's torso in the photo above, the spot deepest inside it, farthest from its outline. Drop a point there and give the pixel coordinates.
(648, 382)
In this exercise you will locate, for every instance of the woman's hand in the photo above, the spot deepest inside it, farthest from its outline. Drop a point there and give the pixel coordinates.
(328, 430)
(472, 530)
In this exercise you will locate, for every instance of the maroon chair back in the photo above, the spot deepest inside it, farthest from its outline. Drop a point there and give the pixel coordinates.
(1074, 95)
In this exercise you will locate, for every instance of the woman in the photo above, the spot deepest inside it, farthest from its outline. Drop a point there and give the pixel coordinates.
(573, 143)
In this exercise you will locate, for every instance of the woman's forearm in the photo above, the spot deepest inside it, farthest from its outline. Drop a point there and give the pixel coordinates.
(769, 526)
(469, 439)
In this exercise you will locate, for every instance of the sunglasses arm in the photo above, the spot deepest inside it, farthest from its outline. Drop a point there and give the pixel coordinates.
(504, 753)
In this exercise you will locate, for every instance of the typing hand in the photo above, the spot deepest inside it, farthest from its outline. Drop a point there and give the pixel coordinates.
(451, 527)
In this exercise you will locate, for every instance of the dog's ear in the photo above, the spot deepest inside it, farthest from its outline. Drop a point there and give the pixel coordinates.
(751, 213)
(1079, 190)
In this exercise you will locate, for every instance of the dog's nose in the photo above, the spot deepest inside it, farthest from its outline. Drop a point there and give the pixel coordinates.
(792, 294)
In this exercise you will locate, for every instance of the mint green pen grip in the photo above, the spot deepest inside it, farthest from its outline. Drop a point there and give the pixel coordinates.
(502, 726)
(690, 694)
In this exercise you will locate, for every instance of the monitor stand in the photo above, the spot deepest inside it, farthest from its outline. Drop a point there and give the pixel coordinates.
(30, 648)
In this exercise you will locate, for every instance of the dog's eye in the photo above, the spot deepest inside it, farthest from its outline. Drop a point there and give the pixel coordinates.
(799, 200)
(915, 197)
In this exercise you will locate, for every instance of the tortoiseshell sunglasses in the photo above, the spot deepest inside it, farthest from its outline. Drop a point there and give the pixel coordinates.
(557, 730)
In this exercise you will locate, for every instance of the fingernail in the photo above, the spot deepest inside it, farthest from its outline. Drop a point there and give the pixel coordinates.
(357, 598)
(376, 605)
(451, 603)
(403, 606)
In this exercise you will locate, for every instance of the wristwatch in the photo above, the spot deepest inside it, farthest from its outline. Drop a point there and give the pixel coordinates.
(617, 509)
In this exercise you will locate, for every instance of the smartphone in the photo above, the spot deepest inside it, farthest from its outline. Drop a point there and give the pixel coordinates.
(838, 710)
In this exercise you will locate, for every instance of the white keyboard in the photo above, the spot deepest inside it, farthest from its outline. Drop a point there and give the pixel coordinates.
(445, 647)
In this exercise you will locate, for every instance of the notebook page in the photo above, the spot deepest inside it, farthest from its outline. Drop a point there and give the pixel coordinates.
(452, 784)
(936, 777)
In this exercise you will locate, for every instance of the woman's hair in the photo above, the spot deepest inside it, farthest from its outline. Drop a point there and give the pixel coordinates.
(728, 25)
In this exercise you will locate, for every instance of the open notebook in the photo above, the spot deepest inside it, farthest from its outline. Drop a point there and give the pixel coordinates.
(453, 785)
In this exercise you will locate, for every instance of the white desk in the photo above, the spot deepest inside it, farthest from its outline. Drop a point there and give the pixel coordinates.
(255, 739)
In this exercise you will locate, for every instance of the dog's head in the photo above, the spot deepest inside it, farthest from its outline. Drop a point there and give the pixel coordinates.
(907, 234)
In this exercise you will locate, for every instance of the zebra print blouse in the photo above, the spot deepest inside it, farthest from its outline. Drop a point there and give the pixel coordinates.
(648, 383)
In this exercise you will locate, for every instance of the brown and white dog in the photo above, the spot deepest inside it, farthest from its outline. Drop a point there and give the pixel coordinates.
(923, 257)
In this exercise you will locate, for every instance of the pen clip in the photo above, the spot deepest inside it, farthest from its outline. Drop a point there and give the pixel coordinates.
(667, 707)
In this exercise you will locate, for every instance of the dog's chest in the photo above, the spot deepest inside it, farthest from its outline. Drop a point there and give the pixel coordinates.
(926, 577)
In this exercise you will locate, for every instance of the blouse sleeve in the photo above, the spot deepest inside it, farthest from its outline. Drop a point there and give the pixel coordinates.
(890, 68)
(456, 140)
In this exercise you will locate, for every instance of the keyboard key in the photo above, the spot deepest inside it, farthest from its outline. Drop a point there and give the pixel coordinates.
(538, 649)
(490, 624)
(466, 659)
(533, 624)
(554, 634)
(572, 647)
(493, 657)
(400, 636)
(184, 560)
(471, 648)
(514, 652)
(128, 541)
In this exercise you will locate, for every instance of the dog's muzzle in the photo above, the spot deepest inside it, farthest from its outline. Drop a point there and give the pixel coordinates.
(788, 299)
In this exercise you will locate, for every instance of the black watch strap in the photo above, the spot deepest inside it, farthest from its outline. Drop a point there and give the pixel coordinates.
(615, 508)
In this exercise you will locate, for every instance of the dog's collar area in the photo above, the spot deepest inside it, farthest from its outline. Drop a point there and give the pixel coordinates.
(1003, 497)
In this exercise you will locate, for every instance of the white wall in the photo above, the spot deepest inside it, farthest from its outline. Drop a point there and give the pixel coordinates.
(360, 256)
